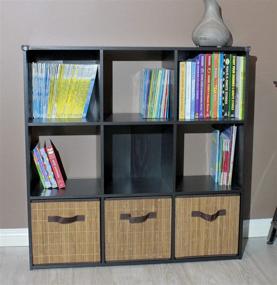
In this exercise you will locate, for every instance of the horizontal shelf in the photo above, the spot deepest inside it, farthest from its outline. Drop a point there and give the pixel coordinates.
(210, 121)
(137, 186)
(75, 189)
(133, 118)
(61, 122)
(203, 184)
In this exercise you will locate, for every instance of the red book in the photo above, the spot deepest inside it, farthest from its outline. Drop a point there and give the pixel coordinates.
(56, 164)
(208, 72)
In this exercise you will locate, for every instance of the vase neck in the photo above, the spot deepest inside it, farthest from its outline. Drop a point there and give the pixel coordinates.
(211, 6)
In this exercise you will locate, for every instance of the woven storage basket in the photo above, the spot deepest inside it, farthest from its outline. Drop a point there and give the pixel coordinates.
(137, 229)
(65, 232)
(207, 226)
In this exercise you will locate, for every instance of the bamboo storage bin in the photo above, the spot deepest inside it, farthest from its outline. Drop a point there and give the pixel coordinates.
(138, 229)
(65, 232)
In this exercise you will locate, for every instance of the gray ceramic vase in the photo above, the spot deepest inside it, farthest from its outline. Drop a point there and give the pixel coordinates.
(212, 31)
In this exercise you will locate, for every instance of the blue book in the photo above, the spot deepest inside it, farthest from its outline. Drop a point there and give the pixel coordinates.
(147, 88)
(93, 72)
(215, 150)
(161, 93)
(193, 80)
(34, 91)
(221, 84)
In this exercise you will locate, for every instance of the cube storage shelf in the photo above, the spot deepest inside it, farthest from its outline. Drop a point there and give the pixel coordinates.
(141, 209)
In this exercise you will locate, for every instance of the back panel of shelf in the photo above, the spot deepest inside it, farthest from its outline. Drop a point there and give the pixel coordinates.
(138, 159)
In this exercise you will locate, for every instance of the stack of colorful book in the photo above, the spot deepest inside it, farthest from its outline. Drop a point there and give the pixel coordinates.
(212, 86)
(49, 165)
(222, 155)
(62, 90)
(155, 93)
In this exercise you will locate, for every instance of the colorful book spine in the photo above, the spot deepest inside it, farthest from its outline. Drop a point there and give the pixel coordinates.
(39, 170)
(92, 78)
(214, 88)
(42, 167)
(202, 86)
(55, 166)
(214, 162)
(188, 90)
(232, 154)
(48, 167)
(240, 87)
(233, 88)
(193, 80)
(197, 88)
(182, 78)
(226, 84)
(220, 83)
(208, 73)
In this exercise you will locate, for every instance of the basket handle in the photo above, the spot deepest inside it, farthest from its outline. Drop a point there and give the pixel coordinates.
(140, 219)
(66, 220)
(207, 217)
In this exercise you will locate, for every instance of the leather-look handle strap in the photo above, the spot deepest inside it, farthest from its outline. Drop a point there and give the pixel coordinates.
(136, 220)
(207, 217)
(67, 220)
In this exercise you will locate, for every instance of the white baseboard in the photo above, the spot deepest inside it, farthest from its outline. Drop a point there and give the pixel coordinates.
(257, 227)
(19, 237)
(14, 237)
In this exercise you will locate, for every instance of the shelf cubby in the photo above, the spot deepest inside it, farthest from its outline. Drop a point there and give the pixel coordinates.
(185, 54)
(138, 159)
(74, 56)
(120, 93)
(192, 167)
(82, 166)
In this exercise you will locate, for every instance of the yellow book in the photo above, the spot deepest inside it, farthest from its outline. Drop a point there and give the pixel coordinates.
(52, 91)
(83, 89)
(157, 92)
(152, 86)
(72, 76)
(182, 71)
(57, 89)
(61, 99)
(73, 101)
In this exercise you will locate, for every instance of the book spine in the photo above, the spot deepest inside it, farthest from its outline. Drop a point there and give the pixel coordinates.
(197, 88)
(42, 167)
(182, 67)
(242, 86)
(233, 145)
(233, 87)
(55, 167)
(202, 86)
(238, 88)
(193, 80)
(226, 84)
(39, 170)
(220, 84)
(215, 90)
(188, 90)
(147, 88)
(48, 167)
(208, 85)
(92, 76)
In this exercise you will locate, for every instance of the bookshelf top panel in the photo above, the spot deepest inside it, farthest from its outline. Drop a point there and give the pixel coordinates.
(132, 48)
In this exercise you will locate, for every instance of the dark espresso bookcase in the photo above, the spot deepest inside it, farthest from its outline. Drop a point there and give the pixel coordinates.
(140, 208)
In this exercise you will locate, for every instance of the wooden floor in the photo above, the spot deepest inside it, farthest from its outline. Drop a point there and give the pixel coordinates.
(258, 266)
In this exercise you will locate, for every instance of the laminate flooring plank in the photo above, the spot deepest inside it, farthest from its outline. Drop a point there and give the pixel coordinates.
(258, 267)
